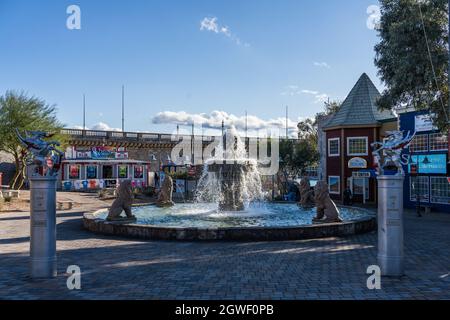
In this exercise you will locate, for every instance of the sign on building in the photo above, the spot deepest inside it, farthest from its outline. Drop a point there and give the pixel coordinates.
(357, 163)
(430, 164)
(424, 123)
(361, 174)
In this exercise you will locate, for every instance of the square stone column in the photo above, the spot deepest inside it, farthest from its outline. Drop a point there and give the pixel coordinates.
(390, 225)
(43, 227)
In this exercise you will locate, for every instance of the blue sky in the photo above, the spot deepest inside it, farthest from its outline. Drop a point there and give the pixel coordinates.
(254, 55)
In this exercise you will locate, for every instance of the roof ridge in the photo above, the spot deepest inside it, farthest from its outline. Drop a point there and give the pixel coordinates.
(359, 107)
(369, 83)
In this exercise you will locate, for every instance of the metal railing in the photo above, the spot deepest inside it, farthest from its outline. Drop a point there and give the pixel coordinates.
(137, 136)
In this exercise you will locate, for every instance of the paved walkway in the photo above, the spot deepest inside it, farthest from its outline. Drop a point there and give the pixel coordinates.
(114, 268)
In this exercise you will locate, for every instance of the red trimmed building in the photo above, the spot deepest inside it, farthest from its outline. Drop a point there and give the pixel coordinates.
(348, 135)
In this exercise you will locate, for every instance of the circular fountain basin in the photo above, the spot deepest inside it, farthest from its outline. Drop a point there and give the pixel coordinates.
(260, 222)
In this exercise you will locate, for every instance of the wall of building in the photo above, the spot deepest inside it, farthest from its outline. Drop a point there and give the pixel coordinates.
(322, 146)
(435, 187)
(339, 165)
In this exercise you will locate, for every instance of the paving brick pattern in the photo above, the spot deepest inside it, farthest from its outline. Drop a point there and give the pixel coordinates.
(333, 268)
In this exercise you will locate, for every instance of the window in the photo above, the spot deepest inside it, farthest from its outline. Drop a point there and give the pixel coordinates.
(138, 172)
(440, 190)
(74, 171)
(108, 172)
(419, 143)
(357, 146)
(91, 172)
(333, 147)
(438, 142)
(334, 184)
(419, 185)
(122, 172)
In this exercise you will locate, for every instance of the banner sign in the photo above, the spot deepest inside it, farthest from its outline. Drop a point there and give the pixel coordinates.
(430, 164)
(103, 153)
(424, 123)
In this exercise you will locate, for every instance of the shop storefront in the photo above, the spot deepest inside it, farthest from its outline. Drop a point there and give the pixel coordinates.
(427, 178)
(101, 167)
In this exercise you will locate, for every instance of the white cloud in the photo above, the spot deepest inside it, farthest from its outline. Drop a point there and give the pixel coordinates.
(322, 65)
(319, 97)
(310, 92)
(211, 25)
(215, 118)
(101, 126)
(294, 90)
(291, 90)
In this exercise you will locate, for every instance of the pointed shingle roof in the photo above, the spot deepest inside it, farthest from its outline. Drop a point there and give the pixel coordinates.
(359, 108)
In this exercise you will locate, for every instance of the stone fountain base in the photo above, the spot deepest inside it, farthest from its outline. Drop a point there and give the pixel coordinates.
(94, 224)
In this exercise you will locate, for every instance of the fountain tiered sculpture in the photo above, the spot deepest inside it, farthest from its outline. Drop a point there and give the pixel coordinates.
(230, 178)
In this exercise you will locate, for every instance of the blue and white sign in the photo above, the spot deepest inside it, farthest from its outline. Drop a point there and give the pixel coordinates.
(424, 122)
(430, 164)
(357, 163)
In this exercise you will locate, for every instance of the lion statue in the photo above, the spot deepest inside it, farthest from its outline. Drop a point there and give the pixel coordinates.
(123, 202)
(327, 212)
(165, 194)
(306, 194)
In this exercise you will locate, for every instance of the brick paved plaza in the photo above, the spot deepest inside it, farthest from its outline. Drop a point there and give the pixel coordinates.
(114, 268)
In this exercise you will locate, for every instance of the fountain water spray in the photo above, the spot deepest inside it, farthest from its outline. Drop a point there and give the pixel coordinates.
(230, 178)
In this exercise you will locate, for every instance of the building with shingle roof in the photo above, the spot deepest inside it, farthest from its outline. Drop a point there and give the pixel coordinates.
(348, 135)
(359, 108)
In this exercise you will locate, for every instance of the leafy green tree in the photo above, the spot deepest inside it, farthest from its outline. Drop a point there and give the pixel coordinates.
(412, 56)
(297, 155)
(332, 107)
(17, 110)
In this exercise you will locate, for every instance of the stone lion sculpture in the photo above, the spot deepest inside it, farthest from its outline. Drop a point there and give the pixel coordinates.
(327, 212)
(122, 203)
(165, 194)
(306, 194)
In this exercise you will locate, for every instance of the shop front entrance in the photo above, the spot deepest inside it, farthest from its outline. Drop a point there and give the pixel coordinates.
(108, 172)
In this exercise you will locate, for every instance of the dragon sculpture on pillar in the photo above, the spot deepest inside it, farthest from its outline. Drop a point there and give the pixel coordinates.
(41, 154)
(388, 154)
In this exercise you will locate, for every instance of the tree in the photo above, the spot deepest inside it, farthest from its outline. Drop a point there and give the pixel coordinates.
(17, 110)
(297, 155)
(332, 107)
(306, 129)
(412, 56)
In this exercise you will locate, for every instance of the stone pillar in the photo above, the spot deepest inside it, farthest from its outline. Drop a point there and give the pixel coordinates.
(390, 225)
(43, 226)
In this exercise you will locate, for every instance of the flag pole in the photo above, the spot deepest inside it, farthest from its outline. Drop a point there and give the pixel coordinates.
(123, 108)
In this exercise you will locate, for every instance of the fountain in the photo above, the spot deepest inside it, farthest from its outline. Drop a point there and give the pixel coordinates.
(229, 205)
(230, 178)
